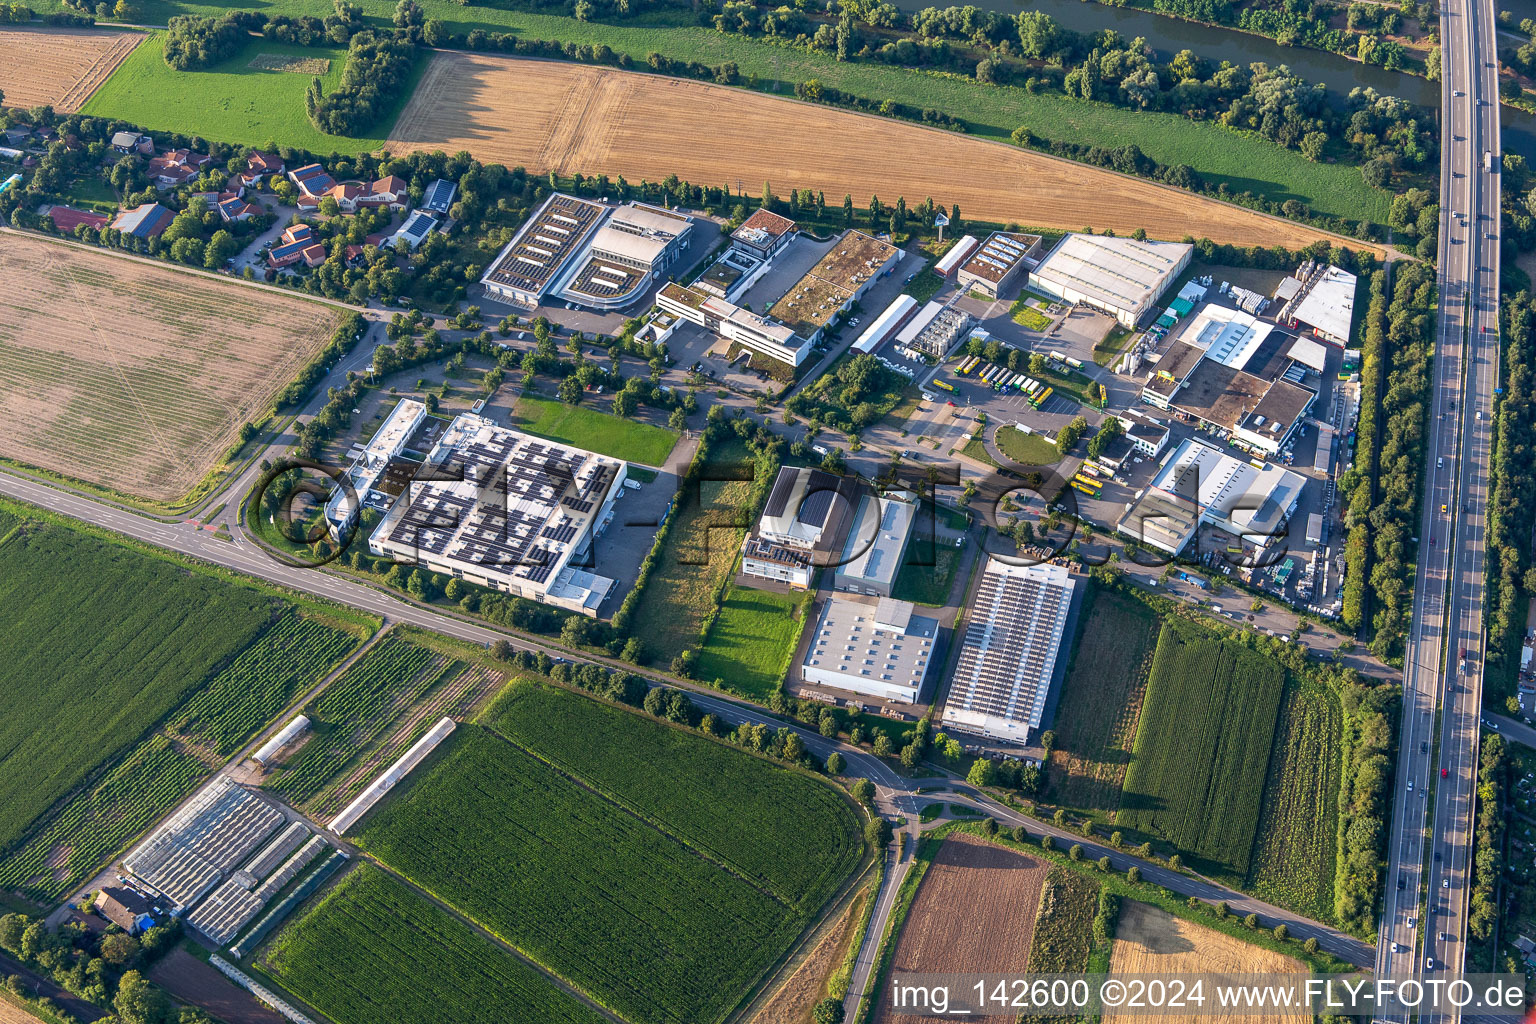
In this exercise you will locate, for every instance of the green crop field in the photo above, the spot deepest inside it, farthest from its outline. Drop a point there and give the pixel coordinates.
(1293, 860)
(1244, 160)
(701, 545)
(1207, 724)
(178, 671)
(741, 811)
(231, 101)
(260, 682)
(76, 698)
(374, 950)
(1100, 701)
(751, 642)
(594, 431)
(649, 926)
(354, 709)
(1026, 449)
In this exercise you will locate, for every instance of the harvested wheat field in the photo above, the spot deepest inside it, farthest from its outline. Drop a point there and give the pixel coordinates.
(974, 913)
(548, 115)
(136, 376)
(1149, 940)
(59, 67)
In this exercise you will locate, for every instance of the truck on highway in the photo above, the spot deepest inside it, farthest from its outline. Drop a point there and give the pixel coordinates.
(1487, 161)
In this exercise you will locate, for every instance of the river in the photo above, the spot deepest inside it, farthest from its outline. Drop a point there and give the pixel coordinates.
(1168, 35)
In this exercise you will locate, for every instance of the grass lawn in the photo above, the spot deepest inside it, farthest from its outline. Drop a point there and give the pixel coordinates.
(90, 191)
(927, 573)
(594, 431)
(1074, 385)
(1244, 160)
(700, 549)
(1106, 351)
(976, 449)
(1028, 316)
(924, 286)
(1101, 698)
(231, 101)
(1026, 449)
(752, 641)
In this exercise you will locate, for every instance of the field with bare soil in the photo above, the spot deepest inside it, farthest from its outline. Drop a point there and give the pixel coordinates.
(134, 376)
(793, 1002)
(61, 66)
(974, 913)
(1149, 940)
(566, 117)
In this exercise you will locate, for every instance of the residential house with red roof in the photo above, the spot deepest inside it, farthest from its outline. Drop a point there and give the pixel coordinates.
(66, 218)
(176, 167)
(298, 243)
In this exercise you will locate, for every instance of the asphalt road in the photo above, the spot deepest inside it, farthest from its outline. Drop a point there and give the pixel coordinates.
(1442, 691)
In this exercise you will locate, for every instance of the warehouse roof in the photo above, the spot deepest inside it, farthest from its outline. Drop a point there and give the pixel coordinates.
(1120, 273)
(1329, 304)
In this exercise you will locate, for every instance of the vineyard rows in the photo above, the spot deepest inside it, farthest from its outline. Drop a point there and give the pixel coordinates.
(642, 923)
(1294, 856)
(1202, 747)
(373, 950)
(354, 709)
(101, 643)
(93, 826)
(741, 810)
(258, 684)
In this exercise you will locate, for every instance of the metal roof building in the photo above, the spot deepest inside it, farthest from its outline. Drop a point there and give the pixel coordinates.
(876, 649)
(1328, 305)
(1013, 637)
(876, 545)
(1121, 276)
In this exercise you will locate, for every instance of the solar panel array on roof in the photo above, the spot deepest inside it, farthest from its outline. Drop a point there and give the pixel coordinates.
(1012, 639)
(535, 257)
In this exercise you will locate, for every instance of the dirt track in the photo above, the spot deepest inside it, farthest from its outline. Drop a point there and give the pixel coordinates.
(974, 913)
(546, 115)
(59, 67)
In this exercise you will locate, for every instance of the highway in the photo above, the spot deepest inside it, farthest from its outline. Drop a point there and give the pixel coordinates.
(1424, 920)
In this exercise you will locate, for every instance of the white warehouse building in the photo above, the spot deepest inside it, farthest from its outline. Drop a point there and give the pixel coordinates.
(875, 649)
(1121, 276)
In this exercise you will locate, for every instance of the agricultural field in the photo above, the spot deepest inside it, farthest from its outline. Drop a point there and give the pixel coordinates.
(63, 66)
(752, 641)
(594, 430)
(1208, 722)
(134, 376)
(701, 546)
(1149, 940)
(974, 912)
(178, 671)
(1100, 701)
(75, 698)
(374, 950)
(351, 712)
(793, 1001)
(243, 100)
(741, 811)
(1293, 859)
(550, 867)
(568, 118)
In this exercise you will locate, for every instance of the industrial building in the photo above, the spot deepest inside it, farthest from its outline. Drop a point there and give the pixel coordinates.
(1120, 276)
(365, 483)
(837, 281)
(876, 545)
(508, 511)
(1322, 300)
(1000, 265)
(530, 265)
(887, 324)
(876, 649)
(957, 254)
(636, 245)
(1235, 376)
(768, 560)
(763, 234)
(1008, 659)
(760, 334)
(1200, 485)
(807, 509)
